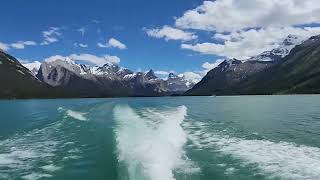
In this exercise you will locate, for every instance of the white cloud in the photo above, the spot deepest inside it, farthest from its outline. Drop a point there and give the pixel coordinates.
(112, 59)
(55, 57)
(22, 44)
(82, 30)
(248, 28)
(162, 72)
(97, 60)
(170, 33)
(242, 28)
(191, 77)
(17, 45)
(208, 66)
(244, 44)
(233, 15)
(82, 45)
(102, 45)
(51, 35)
(93, 59)
(4, 46)
(113, 43)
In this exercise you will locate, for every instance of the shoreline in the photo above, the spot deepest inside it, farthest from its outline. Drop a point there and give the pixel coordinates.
(217, 96)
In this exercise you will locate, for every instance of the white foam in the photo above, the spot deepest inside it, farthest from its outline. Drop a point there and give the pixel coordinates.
(77, 115)
(50, 168)
(35, 176)
(275, 159)
(230, 171)
(151, 146)
(71, 157)
(74, 114)
(23, 153)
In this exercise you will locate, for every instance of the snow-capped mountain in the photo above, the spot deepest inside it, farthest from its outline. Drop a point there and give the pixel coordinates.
(280, 52)
(178, 83)
(66, 73)
(109, 69)
(233, 71)
(33, 66)
(295, 70)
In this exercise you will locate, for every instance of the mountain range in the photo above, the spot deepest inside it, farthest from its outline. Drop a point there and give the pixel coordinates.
(63, 77)
(291, 68)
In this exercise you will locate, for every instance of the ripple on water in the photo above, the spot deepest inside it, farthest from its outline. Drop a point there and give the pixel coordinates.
(38, 153)
(274, 159)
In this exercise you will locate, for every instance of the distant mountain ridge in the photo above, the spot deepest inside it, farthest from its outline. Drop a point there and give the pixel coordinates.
(63, 77)
(107, 81)
(280, 71)
(291, 68)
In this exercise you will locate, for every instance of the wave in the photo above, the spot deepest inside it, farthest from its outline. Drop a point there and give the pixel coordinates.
(36, 154)
(74, 114)
(150, 144)
(275, 159)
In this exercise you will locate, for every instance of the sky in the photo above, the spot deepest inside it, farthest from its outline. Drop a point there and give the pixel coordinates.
(182, 36)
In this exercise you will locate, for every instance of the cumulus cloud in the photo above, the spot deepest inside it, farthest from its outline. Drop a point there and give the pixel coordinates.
(191, 76)
(51, 35)
(97, 60)
(233, 15)
(55, 57)
(90, 58)
(242, 28)
(112, 59)
(113, 43)
(170, 33)
(207, 66)
(17, 45)
(4, 46)
(246, 43)
(22, 44)
(162, 73)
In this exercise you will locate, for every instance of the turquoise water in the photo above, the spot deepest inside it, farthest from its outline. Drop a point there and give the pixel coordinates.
(182, 138)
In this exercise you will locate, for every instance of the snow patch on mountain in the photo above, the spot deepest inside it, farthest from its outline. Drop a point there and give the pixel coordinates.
(33, 66)
(280, 52)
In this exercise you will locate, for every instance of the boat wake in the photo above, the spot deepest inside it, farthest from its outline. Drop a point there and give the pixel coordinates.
(39, 153)
(275, 159)
(150, 143)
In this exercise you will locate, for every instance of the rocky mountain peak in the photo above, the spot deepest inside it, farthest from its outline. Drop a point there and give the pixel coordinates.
(290, 40)
(315, 38)
(150, 75)
(172, 76)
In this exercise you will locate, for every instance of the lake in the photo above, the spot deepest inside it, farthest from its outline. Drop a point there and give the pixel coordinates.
(162, 138)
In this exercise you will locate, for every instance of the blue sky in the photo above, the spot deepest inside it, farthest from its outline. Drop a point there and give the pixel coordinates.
(122, 20)
(166, 35)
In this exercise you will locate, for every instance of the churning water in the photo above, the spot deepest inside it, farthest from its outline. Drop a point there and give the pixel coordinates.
(171, 138)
